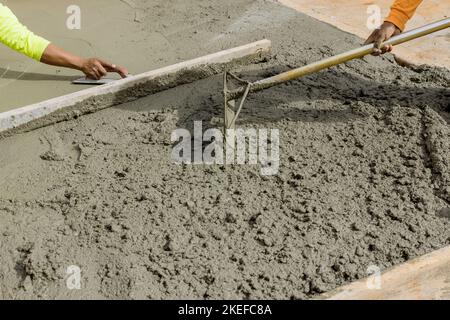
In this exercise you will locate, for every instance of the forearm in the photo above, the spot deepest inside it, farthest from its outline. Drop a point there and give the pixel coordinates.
(56, 56)
(93, 68)
(402, 11)
(16, 36)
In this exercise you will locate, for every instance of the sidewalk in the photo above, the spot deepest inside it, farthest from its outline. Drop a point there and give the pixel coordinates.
(424, 278)
(351, 16)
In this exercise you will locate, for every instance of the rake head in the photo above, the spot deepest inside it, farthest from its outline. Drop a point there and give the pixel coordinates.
(231, 96)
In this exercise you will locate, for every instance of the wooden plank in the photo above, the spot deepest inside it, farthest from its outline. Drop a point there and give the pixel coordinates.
(134, 87)
(424, 278)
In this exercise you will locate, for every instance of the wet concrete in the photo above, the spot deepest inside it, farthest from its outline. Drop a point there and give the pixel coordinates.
(364, 178)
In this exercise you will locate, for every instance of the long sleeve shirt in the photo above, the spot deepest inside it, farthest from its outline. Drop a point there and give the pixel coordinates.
(16, 36)
(402, 11)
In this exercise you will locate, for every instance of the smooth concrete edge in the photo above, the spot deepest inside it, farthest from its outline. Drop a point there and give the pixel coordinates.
(426, 277)
(19, 117)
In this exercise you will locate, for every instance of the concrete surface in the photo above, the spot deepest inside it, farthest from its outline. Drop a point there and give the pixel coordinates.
(133, 87)
(122, 31)
(363, 177)
(351, 16)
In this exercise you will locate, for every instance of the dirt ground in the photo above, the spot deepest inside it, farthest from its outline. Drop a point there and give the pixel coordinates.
(364, 179)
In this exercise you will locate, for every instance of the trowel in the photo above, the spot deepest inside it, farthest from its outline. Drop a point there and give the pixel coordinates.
(232, 111)
(88, 81)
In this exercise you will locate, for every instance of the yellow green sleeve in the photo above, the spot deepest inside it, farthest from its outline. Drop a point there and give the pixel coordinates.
(16, 36)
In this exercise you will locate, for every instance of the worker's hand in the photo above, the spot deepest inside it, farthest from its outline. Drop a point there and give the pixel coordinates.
(95, 68)
(380, 35)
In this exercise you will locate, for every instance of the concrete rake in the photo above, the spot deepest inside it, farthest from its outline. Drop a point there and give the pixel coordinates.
(232, 111)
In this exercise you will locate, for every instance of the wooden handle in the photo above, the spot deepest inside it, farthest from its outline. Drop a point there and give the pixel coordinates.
(340, 58)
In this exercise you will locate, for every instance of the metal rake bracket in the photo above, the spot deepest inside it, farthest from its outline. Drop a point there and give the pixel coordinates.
(230, 111)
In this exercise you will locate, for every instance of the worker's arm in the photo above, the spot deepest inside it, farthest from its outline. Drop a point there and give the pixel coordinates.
(93, 68)
(394, 24)
(16, 36)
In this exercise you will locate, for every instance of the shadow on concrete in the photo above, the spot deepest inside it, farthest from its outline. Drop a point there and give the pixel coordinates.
(31, 76)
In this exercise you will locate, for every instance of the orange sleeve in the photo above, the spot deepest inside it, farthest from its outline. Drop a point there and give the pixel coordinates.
(402, 11)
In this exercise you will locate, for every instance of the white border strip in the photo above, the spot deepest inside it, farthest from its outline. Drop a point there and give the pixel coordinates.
(18, 117)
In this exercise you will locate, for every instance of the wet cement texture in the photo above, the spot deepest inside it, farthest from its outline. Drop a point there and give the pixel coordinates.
(364, 180)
